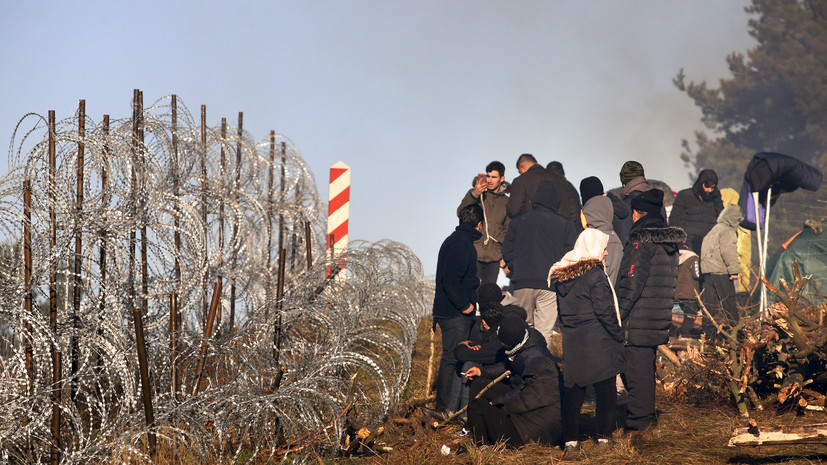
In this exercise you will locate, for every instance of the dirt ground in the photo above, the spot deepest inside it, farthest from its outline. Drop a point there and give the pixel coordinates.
(690, 430)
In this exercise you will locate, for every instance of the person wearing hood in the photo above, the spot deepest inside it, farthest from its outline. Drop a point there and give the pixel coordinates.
(525, 185)
(455, 296)
(597, 214)
(490, 191)
(592, 336)
(593, 187)
(696, 209)
(645, 293)
(720, 265)
(526, 408)
(534, 241)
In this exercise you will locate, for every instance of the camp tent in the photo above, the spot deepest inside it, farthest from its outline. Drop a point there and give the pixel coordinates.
(810, 251)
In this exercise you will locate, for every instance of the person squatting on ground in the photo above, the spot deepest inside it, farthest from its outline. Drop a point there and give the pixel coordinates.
(490, 191)
(525, 185)
(720, 265)
(484, 348)
(526, 408)
(645, 292)
(455, 295)
(592, 337)
(536, 240)
(696, 209)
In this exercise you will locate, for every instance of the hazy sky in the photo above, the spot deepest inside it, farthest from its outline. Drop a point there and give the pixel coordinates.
(416, 96)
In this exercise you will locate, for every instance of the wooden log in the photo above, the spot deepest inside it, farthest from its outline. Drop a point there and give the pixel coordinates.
(779, 435)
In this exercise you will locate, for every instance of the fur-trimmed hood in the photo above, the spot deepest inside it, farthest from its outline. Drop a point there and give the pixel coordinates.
(669, 235)
(575, 270)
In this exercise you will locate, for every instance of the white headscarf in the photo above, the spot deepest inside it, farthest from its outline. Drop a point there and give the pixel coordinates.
(590, 244)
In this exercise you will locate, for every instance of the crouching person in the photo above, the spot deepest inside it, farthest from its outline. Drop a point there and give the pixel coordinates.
(526, 407)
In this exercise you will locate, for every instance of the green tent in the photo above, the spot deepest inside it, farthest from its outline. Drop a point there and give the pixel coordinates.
(810, 251)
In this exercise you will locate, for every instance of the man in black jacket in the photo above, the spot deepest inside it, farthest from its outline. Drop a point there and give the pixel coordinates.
(525, 185)
(535, 241)
(696, 209)
(645, 291)
(455, 296)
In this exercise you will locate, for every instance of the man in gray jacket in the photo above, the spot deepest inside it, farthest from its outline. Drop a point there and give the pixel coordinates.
(719, 264)
(490, 191)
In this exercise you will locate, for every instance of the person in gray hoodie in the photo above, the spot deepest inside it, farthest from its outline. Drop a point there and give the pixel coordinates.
(598, 214)
(719, 264)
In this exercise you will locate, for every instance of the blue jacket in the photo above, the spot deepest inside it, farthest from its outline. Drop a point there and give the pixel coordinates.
(456, 273)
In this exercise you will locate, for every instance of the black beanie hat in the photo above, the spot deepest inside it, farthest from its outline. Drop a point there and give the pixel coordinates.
(650, 201)
(490, 292)
(631, 169)
(512, 330)
(515, 309)
(590, 187)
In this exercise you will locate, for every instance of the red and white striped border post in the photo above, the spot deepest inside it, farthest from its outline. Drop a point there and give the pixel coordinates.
(338, 211)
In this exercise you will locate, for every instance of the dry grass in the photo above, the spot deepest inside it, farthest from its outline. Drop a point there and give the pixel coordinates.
(687, 433)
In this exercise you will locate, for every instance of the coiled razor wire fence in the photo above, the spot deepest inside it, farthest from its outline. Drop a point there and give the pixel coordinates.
(252, 349)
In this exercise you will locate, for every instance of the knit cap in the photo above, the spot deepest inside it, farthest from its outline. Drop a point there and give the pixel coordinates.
(512, 330)
(590, 187)
(489, 292)
(630, 170)
(650, 201)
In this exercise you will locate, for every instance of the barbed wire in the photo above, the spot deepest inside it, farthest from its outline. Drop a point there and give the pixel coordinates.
(162, 219)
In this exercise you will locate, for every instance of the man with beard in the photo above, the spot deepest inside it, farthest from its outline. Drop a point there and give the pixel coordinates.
(696, 209)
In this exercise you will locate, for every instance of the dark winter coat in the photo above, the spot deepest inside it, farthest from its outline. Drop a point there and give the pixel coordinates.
(495, 223)
(719, 253)
(533, 403)
(647, 280)
(592, 337)
(456, 274)
(538, 239)
(489, 353)
(525, 185)
(695, 211)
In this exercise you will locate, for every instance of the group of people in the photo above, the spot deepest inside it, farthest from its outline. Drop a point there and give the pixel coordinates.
(600, 269)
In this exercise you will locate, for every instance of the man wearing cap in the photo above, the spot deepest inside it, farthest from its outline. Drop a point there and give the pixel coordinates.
(634, 183)
(696, 209)
(645, 291)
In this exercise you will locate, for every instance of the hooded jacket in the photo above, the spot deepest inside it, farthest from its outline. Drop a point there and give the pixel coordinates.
(533, 403)
(525, 185)
(598, 213)
(719, 253)
(695, 211)
(537, 239)
(592, 338)
(494, 224)
(647, 280)
(456, 274)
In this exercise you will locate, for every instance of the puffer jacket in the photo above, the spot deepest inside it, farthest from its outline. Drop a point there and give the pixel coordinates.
(495, 223)
(719, 253)
(533, 403)
(592, 338)
(537, 239)
(647, 280)
(695, 211)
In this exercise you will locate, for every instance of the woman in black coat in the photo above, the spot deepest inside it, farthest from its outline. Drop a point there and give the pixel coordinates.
(592, 336)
